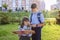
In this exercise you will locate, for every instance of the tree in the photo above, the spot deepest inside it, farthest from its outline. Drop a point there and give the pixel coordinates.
(58, 18)
(5, 6)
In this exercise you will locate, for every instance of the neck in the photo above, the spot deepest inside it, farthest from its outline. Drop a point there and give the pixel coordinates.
(35, 11)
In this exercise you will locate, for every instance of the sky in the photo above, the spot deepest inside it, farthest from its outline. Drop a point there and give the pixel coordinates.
(48, 3)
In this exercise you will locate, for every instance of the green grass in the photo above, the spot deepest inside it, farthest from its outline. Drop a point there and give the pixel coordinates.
(6, 32)
(49, 32)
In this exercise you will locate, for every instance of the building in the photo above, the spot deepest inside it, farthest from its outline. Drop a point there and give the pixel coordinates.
(56, 6)
(0, 4)
(18, 4)
(40, 4)
(53, 7)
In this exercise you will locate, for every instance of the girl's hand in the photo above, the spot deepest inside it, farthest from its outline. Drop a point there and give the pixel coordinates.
(18, 32)
(27, 32)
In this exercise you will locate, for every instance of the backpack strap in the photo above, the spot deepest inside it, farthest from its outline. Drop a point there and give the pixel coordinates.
(38, 16)
(31, 17)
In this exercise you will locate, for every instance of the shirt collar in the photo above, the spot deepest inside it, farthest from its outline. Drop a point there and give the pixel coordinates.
(35, 12)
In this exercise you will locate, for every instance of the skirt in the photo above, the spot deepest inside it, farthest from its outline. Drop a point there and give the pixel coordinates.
(24, 38)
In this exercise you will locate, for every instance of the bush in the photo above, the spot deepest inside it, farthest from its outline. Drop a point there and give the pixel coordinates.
(50, 21)
(10, 10)
(58, 17)
(50, 14)
(5, 6)
(5, 18)
(12, 17)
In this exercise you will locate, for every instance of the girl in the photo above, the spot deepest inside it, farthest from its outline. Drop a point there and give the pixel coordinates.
(25, 26)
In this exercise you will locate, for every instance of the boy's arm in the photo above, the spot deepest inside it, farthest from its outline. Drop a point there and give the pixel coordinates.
(19, 31)
(42, 21)
(40, 25)
(31, 31)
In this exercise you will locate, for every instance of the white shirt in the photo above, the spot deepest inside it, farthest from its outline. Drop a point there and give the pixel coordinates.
(25, 28)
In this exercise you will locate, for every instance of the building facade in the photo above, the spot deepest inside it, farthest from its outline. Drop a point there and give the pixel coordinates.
(56, 6)
(13, 4)
(0, 3)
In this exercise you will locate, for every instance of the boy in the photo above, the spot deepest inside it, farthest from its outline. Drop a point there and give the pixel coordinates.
(37, 22)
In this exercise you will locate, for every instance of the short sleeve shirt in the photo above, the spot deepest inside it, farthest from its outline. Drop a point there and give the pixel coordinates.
(35, 18)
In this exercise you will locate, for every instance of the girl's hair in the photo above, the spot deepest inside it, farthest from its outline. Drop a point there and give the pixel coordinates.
(24, 19)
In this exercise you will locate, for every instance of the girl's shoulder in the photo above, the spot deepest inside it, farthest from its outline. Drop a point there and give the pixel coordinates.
(19, 27)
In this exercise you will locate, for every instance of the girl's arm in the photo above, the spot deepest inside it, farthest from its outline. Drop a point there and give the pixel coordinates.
(18, 31)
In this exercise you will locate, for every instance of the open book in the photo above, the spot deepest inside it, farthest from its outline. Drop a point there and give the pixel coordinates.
(24, 32)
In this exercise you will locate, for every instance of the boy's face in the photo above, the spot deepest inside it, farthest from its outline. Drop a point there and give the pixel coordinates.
(34, 10)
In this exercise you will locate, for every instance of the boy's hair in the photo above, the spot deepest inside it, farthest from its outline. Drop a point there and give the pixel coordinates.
(24, 19)
(33, 6)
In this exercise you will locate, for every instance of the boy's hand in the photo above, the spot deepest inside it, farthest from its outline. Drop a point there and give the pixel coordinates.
(34, 25)
(40, 25)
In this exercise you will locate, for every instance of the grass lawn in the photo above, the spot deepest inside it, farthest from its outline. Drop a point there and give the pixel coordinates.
(49, 32)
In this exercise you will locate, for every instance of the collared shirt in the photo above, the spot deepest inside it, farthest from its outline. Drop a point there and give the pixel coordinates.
(25, 28)
(35, 18)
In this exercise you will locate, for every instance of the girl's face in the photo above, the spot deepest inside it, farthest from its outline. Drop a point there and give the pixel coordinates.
(26, 23)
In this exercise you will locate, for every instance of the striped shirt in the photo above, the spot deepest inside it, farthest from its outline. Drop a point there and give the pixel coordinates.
(25, 28)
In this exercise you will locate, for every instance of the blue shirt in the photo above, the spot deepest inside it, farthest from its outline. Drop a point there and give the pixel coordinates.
(35, 18)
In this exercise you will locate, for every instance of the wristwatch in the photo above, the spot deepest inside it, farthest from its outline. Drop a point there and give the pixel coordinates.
(36, 25)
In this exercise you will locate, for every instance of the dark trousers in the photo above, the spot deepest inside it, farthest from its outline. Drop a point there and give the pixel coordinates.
(37, 35)
(24, 38)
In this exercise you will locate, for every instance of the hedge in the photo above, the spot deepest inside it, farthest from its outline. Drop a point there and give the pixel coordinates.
(11, 17)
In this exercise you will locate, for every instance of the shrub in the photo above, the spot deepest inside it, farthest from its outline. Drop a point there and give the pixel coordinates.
(58, 18)
(50, 21)
(5, 18)
(12, 17)
(5, 6)
(10, 10)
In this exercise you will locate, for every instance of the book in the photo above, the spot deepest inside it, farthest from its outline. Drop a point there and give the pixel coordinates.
(24, 32)
(18, 32)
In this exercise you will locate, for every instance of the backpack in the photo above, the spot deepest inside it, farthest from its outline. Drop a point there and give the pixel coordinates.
(38, 16)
